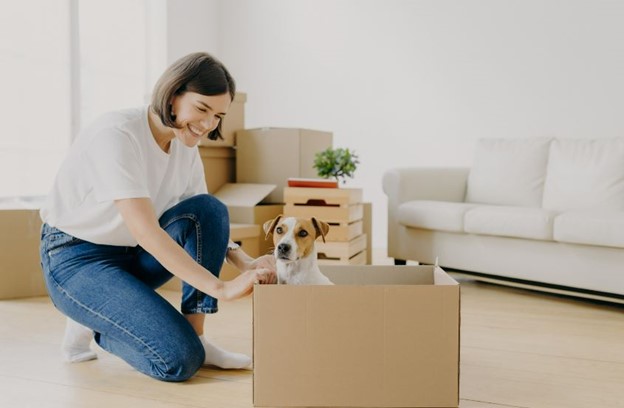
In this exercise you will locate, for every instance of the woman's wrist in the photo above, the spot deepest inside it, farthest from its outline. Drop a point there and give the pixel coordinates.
(237, 257)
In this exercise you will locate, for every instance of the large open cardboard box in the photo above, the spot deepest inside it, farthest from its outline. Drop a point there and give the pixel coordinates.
(383, 336)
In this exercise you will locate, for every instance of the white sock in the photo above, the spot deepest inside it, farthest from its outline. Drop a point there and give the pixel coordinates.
(224, 359)
(76, 343)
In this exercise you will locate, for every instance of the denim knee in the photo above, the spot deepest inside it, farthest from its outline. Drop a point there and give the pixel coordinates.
(183, 363)
(213, 208)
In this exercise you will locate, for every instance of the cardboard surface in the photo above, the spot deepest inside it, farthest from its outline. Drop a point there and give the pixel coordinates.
(244, 202)
(20, 269)
(383, 336)
(272, 155)
(219, 166)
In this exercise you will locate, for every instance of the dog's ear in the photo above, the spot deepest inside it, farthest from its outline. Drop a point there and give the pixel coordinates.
(321, 228)
(270, 225)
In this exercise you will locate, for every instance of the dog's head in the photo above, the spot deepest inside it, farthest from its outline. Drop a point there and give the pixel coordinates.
(294, 237)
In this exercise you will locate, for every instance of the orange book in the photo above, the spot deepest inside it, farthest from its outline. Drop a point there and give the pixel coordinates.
(312, 182)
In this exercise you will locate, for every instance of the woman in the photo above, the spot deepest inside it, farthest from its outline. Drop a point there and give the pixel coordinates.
(128, 210)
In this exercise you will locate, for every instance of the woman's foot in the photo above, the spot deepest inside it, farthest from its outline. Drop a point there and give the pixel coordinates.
(224, 359)
(76, 343)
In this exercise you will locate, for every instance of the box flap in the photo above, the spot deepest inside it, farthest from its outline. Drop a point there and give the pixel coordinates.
(243, 194)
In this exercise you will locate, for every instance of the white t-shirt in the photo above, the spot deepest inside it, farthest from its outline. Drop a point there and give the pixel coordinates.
(114, 158)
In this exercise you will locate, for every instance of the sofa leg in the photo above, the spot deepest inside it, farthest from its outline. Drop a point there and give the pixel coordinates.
(400, 261)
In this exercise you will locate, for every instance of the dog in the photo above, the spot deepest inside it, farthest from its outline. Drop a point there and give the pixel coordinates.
(295, 253)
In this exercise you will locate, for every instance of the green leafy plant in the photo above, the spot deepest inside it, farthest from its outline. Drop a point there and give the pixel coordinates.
(338, 163)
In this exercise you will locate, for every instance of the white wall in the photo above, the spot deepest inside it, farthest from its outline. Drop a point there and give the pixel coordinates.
(416, 83)
(192, 25)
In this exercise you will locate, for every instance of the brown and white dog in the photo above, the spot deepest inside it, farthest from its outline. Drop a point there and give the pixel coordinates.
(295, 253)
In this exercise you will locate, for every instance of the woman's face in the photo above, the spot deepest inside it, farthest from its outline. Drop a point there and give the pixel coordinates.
(197, 115)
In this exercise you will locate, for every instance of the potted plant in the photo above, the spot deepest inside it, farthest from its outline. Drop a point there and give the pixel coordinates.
(338, 163)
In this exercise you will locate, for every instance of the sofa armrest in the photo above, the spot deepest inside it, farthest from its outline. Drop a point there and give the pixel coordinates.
(418, 183)
(425, 183)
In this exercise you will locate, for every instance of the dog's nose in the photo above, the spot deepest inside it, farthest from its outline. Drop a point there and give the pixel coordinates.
(283, 248)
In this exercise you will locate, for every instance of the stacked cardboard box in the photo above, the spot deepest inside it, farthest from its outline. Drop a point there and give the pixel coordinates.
(20, 271)
(272, 155)
(343, 210)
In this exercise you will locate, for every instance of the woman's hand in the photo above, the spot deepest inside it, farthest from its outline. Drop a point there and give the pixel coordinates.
(264, 262)
(243, 284)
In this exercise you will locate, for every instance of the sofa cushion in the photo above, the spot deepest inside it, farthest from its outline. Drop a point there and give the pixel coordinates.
(602, 228)
(585, 174)
(433, 215)
(508, 172)
(517, 222)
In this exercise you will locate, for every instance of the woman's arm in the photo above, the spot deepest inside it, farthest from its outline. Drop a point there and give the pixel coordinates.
(139, 216)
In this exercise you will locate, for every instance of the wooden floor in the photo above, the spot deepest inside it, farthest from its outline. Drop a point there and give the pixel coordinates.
(518, 349)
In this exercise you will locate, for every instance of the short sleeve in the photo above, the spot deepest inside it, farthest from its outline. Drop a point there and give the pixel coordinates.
(197, 181)
(114, 163)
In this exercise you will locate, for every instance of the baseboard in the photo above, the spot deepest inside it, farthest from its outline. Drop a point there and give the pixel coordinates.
(542, 287)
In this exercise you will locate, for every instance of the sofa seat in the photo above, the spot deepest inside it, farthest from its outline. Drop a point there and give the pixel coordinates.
(591, 228)
(434, 215)
(507, 221)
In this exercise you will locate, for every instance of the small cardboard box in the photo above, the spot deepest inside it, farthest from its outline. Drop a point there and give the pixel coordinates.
(233, 121)
(20, 269)
(244, 202)
(383, 336)
(272, 155)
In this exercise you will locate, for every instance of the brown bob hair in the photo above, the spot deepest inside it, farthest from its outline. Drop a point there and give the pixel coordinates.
(199, 72)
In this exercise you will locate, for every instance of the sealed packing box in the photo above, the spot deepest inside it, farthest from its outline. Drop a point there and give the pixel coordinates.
(20, 269)
(234, 120)
(244, 202)
(272, 155)
(383, 336)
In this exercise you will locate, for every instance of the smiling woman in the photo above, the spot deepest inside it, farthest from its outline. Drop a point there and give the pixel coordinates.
(129, 210)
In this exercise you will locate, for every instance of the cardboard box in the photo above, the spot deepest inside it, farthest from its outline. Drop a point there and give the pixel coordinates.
(383, 336)
(233, 121)
(20, 268)
(272, 155)
(244, 202)
(219, 166)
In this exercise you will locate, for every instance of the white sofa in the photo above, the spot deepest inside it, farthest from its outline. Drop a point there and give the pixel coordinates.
(530, 211)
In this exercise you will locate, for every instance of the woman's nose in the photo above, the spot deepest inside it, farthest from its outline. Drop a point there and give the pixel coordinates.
(210, 123)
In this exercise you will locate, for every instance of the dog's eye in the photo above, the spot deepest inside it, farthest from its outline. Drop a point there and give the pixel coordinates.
(279, 230)
(303, 233)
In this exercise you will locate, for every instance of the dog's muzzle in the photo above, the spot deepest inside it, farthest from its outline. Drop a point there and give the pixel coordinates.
(283, 251)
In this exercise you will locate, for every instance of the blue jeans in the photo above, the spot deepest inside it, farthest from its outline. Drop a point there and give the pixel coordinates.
(111, 289)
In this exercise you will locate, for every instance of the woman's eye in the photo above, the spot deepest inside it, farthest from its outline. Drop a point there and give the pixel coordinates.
(303, 233)
(279, 230)
(201, 109)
